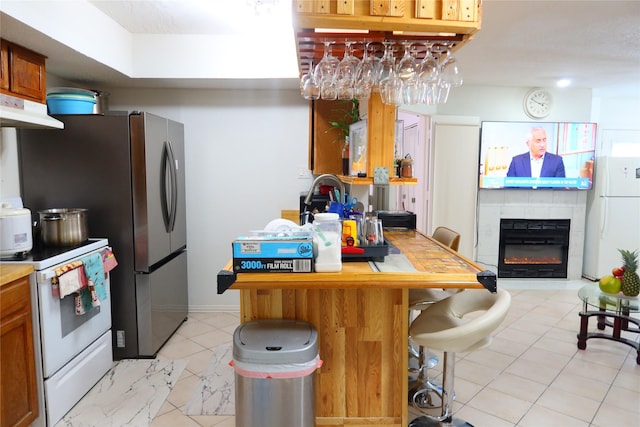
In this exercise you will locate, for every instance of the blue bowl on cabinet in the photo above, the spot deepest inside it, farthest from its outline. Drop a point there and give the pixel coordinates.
(61, 103)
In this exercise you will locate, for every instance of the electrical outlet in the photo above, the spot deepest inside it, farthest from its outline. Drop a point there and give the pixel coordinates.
(304, 173)
(120, 339)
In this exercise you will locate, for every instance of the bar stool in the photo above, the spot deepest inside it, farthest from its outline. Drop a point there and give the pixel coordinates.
(421, 299)
(443, 327)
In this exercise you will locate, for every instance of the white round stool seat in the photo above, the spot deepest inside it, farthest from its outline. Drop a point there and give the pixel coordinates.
(461, 323)
(443, 327)
(419, 299)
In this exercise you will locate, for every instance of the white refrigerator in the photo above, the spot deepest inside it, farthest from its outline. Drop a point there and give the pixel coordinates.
(613, 215)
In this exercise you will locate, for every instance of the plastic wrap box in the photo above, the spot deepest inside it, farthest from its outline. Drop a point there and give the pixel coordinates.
(273, 255)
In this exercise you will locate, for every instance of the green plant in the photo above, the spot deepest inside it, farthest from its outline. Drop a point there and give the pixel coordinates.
(348, 116)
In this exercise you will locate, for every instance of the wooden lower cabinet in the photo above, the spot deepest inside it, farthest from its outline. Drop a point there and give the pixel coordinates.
(18, 391)
(362, 338)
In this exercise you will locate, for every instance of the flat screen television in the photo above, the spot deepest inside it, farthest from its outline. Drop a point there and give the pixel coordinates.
(510, 155)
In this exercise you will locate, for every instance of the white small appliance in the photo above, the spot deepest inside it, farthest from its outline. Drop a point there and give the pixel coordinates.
(15, 229)
(613, 215)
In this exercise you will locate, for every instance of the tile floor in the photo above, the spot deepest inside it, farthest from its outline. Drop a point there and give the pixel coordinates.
(532, 375)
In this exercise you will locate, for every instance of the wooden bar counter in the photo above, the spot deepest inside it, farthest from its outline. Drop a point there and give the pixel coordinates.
(361, 315)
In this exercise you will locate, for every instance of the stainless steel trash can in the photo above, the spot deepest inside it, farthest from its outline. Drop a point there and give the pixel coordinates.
(274, 362)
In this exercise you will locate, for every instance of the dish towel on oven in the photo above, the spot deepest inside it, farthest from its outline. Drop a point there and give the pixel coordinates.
(94, 270)
(70, 278)
(85, 280)
(90, 296)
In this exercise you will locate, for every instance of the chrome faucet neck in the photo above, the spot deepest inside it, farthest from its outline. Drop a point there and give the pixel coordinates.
(328, 177)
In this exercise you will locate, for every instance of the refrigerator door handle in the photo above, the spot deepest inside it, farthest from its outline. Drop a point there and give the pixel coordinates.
(603, 215)
(169, 192)
(173, 170)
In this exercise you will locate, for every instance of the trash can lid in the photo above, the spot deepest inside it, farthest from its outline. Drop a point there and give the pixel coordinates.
(275, 341)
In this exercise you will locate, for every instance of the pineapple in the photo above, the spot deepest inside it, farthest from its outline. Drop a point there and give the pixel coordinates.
(630, 280)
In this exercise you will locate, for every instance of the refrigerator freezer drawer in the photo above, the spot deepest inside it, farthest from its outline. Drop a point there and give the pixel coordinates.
(162, 304)
(64, 389)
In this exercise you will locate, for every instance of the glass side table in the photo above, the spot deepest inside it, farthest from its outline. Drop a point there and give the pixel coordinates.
(611, 310)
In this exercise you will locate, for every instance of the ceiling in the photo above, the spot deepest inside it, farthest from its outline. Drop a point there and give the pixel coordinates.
(525, 43)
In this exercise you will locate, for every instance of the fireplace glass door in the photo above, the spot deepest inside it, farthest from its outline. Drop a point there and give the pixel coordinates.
(533, 248)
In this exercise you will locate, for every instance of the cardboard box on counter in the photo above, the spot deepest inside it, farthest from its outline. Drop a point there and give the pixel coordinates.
(273, 254)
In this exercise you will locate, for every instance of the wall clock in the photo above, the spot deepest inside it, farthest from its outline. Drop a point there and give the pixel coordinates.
(537, 103)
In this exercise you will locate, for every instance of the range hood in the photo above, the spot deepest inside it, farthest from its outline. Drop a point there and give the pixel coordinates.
(20, 113)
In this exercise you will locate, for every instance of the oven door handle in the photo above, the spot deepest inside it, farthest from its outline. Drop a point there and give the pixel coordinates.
(44, 275)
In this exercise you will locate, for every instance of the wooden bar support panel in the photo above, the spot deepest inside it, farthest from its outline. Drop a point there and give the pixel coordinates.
(362, 320)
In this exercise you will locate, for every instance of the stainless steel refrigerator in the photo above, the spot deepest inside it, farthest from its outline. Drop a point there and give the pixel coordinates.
(613, 215)
(128, 170)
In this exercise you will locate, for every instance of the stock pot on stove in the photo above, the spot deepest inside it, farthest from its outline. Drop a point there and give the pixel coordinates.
(15, 230)
(63, 227)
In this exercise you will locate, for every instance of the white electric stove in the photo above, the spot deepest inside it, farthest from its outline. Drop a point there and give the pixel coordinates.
(75, 351)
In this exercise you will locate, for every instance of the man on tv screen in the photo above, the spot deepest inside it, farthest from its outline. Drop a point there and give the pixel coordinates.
(536, 162)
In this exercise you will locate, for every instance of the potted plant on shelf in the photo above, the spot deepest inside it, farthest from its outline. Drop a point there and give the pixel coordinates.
(342, 125)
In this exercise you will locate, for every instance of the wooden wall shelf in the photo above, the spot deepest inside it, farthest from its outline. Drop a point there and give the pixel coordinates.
(354, 180)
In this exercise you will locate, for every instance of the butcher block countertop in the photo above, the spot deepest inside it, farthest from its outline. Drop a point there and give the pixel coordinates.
(430, 265)
(11, 272)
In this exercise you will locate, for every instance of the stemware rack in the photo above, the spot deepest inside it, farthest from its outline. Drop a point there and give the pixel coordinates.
(453, 22)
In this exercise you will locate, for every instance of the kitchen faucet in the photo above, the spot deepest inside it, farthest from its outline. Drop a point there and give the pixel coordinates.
(330, 177)
(306, 217)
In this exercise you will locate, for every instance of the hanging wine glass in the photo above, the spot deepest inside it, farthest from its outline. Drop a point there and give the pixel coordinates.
(429, 74)
(441, 94)
(353, 58)
(309, 87)
(390, 89)
(450, 70)
(387, 66)
(325, 72)
(407, 68)
(303, 79)
(389, 84)
(365, 74)
(407, 71)
(374, 54)
(345, 74)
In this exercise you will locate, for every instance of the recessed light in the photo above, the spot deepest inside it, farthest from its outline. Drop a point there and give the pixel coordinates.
(563, 83)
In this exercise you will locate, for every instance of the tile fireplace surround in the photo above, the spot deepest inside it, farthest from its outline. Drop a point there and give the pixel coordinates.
(530, 204)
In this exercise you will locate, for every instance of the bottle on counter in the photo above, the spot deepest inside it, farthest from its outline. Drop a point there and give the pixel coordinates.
(406, 170)
(327, 242)
(345, 157)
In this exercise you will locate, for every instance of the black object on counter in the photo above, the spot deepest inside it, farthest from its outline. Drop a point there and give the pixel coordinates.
(402, 219)
(318, 201)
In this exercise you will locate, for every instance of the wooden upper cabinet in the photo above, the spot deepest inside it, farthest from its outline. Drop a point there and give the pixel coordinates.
(23, 73)
(4, 65)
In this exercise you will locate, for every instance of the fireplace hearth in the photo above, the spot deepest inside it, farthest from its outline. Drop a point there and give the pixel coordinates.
(533, 248)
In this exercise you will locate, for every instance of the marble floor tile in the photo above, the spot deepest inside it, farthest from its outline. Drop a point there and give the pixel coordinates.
(214, 393)
(130, 394)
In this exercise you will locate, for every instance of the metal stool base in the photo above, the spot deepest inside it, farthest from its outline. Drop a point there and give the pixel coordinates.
(429, 422)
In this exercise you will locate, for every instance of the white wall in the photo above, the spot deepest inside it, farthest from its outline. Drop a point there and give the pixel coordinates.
(9, 181)
(505, 103)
